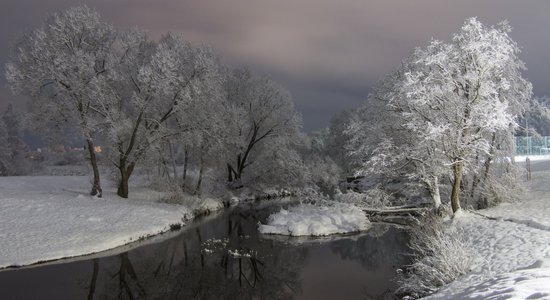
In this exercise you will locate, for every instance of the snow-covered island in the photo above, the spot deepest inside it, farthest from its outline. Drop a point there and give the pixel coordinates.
(311, 220)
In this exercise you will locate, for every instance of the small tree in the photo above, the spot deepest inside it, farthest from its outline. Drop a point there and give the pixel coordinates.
(14, 152)
(259, 113)
(5, 160)
(60, 65)
(319, 167)
(537, 118)
(337, 138)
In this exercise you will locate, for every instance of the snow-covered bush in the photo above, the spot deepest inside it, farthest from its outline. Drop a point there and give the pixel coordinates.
(322, 172)
(175, 194)
(372, 198)
(68, 158)
(440, 256)
(198, 204)
(503, 188)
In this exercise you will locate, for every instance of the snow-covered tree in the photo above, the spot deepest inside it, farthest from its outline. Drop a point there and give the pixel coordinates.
(337, 138)
(5, 160)
(59, 65)
(14, 152)
(151, 84)
(537, 118)
(203, 135)
(320, 168)
(380, 145)
(369, 125)
(261, 118)
(453, 102)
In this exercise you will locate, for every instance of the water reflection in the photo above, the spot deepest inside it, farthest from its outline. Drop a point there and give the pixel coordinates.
(223, 258)
(383, 246)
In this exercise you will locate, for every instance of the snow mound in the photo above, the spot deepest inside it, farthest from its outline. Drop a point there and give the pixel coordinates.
(303, 220)
(208, 205)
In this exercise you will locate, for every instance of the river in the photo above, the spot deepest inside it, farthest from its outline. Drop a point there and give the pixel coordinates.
(222, 256)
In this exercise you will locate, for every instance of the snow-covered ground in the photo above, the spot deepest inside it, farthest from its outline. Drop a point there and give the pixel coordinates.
(50, 217)
(513, 260)
(312, 220)
(522, 158)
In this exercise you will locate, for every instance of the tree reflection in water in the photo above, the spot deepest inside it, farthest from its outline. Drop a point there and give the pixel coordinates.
(181, 269)
(382, 251)
(382, 246)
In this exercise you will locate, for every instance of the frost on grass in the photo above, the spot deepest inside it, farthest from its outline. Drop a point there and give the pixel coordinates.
(441, 256)
(305, 219)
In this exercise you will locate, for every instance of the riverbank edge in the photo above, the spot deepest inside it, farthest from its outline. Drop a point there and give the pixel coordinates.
(139, 241)
(207, 207)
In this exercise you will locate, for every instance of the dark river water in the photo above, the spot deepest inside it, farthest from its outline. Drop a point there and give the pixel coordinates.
(224, 257)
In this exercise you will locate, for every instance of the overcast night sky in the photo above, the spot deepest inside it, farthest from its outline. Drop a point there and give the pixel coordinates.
(327, 53)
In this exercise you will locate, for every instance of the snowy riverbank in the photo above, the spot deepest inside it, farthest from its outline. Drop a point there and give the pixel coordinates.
(45, 218)
(513, 247)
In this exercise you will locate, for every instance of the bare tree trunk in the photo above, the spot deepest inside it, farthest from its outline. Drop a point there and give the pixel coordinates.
(126, 267)
(235, 174)
(201, 170)
(457, 171)
(94, 279)
(165, 169)
(229, 173)
(96, 185)
(173, 158)
(125, 173)
(479, 180)
(434, 190)
(528, 167)
(185, 166)
(476, 179)
(233, 177)
(159, 168)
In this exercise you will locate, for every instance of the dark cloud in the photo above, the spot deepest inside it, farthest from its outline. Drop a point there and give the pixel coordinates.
(327, 53)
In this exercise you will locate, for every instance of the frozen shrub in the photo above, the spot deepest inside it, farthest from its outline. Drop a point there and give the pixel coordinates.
(68, 158)
(440, 256)
(372, 198)
(175, 194)
(504, 188)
